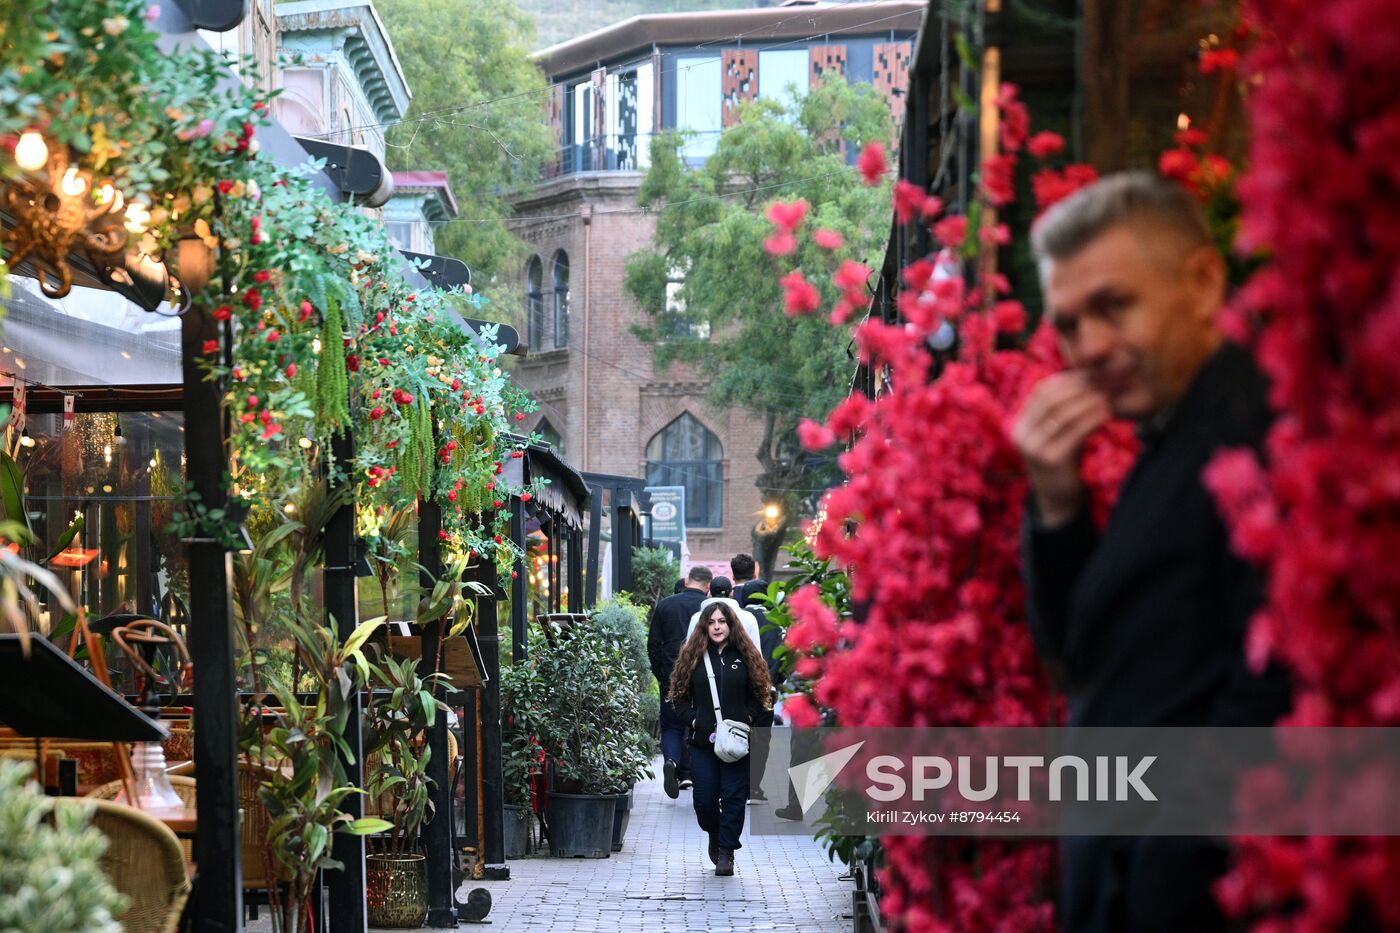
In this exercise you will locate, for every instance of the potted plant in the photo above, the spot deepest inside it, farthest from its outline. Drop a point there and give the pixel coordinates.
(401, 710)
(620, 620)
(303, 797)
(51, 875)
(592, 758)
(521, 755)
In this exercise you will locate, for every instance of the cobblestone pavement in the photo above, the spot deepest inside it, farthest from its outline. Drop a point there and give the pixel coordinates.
(661, 882)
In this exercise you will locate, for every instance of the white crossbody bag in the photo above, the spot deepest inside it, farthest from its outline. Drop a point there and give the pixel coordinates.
(731, 736)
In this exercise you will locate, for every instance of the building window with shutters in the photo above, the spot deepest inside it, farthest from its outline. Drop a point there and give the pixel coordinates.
(560, 275)
(686, 453)
(534, 303)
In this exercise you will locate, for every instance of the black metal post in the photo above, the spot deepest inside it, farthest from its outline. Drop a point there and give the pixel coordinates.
(348, 913)
(491, 835)
(437, 832)
(595, 531)
(623, 531)
(219, 905)
(575, 569)
(519, 611)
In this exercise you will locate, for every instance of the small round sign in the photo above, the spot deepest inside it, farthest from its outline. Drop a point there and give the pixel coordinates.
(663, 511)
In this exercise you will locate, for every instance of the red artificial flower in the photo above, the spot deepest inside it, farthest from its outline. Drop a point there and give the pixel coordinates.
(1015, 118)
(998, 179)
(1010, 317)
(352, 363)
(526, 497)
(306, 310)
(1045, 144)
(1190, 137)
(780, 244)
(520, 416)
(871, 163)
(442, 534)
(376, 413)
(799, 295)
(911, 201)
(787, 216)
(814, 436)
(291, 370)
(262, 276)
(223, 313)
(1219, 60)
(1178, 164)
(224, 186)
(211, 346)
(273, 336)
(253, 299)
(828, 239)
(951, 231)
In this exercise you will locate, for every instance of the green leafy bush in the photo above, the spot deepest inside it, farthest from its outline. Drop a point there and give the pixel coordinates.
(51, 879)
(623, 622)
(654, 574)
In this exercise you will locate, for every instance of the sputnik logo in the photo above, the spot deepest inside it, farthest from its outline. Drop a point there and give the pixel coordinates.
(811, 778)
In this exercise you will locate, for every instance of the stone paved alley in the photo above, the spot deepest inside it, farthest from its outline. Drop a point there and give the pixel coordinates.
(661, 881)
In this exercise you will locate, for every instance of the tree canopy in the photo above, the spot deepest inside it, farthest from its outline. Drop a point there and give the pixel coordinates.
(726, 317)
(478, 112)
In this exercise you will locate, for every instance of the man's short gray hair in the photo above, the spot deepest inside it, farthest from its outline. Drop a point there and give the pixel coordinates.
(1069, 226)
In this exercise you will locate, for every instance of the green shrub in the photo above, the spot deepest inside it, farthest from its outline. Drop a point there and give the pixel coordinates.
(51, 879)
(654, 574)
(622, 622)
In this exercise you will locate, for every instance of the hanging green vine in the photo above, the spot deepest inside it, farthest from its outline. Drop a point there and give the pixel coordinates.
(332, 381)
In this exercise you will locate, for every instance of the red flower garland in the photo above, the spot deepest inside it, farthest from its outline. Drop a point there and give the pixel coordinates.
(928, 527)
(1323, 514)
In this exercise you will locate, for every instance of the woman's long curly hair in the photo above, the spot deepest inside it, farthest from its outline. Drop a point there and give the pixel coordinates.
(694, 649)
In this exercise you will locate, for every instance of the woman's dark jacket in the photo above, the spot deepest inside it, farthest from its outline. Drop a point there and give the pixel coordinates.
(736, 699)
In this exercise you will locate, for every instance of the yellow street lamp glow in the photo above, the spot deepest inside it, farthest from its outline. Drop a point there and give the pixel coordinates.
(772, 512)
(31, 152)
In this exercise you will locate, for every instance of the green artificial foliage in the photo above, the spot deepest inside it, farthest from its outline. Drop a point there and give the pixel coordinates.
(727, 319)
(654, 574)
(623, 623)
(51, 879)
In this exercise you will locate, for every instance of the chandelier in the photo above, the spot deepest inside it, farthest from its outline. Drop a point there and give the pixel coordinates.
(56, 212)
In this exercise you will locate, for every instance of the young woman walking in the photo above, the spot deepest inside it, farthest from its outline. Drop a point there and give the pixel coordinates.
(742, 684)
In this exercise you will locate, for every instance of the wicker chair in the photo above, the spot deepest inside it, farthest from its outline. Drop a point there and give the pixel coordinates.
(255, 818)
(184, 786)
(144, 862)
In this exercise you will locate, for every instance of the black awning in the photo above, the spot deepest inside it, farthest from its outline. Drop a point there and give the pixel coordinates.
(358, 172)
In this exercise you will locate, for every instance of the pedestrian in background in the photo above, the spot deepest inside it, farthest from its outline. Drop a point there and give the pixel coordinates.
(719, 666)
(669, 622)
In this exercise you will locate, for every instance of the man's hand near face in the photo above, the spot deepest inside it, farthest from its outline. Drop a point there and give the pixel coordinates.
(1061, 413)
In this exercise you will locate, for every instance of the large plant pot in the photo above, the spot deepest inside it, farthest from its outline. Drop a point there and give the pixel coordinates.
(396, 890)
(621, 816)
(516, 831)
(581, 825)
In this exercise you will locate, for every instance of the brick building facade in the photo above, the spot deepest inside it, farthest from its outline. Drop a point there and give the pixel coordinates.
(601, 401)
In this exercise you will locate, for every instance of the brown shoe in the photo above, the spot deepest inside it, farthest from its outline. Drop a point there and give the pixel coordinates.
(714, 849)
(724, 865)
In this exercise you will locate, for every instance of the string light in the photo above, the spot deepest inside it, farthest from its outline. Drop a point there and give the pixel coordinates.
(31, 152)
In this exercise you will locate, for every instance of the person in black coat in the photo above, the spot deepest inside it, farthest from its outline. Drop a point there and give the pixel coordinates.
(669, 622)
(745, 576)
(1141, 624)
(741, 683)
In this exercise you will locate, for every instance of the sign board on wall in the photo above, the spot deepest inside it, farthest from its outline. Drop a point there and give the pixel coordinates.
(667, 512)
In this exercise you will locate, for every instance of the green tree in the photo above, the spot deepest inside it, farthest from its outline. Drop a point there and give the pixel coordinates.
(727, 318)
(478, 111)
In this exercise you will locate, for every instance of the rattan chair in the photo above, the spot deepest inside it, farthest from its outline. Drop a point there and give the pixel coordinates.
(143, 861)
(184, 786)
(255, 818)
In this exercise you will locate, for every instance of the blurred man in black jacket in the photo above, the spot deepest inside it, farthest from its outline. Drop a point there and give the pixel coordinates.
(669, 622)
(1143, 623)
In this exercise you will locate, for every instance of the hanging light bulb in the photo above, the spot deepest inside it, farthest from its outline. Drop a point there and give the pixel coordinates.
(31, 152)
(73, 184)
(24, 439)
(107, 453)
(117, 434)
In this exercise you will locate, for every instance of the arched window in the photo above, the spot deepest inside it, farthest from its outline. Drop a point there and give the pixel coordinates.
(686, 453)
(561, 299)
(550, 435)
(534, 303)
